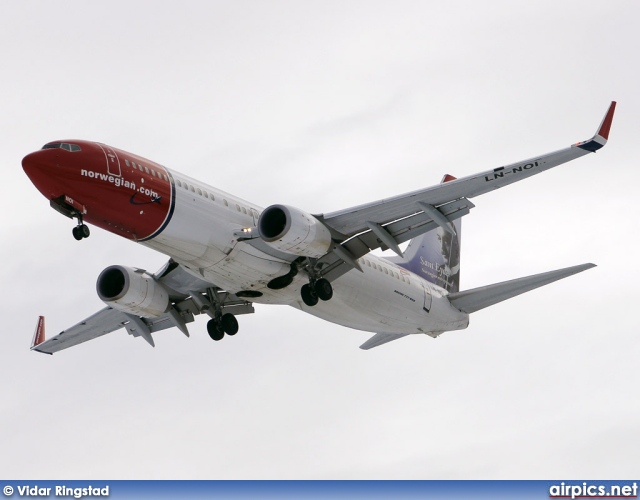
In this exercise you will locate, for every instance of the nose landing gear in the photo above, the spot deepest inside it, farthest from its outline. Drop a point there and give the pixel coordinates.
(69, 207)
(81, 231)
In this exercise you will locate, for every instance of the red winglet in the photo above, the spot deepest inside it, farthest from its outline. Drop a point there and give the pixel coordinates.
(605, 126)
(38, 335)
(447, 178)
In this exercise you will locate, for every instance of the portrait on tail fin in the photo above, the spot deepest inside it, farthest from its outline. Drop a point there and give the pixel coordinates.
(435, 256)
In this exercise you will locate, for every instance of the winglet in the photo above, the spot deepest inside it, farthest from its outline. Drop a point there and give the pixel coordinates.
(38, 335)
(605, 126)
(602, 135)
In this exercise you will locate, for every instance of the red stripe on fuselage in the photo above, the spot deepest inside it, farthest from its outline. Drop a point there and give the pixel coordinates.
(123, 193)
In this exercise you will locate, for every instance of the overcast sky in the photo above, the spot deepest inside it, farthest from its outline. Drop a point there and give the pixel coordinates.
(326, 105)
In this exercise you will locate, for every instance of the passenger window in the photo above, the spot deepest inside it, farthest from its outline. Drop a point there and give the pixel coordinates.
(206, 195)
(178, 183)
(385, 271)
(226, 204)
(244, 210)
(368, 263)
(213, 198)
(199, 191)
(146, 169)
(153, 172)
(192, 189)
(237, 207)
(127, 162)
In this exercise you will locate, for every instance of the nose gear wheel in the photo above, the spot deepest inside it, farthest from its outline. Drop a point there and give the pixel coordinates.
(81, 231)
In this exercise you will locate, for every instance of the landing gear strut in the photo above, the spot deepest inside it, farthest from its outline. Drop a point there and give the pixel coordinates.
(318, 289)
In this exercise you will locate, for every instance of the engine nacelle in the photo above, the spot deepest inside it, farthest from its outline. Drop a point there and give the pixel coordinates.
(132, 291)
(291, 230)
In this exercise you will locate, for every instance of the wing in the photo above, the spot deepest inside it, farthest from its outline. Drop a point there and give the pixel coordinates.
(389, 222)
(189, 295)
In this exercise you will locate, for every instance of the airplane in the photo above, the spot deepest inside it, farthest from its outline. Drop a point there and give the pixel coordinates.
(226, 253)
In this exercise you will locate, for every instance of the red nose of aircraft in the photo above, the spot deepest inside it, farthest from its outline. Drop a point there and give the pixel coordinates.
(42, 168)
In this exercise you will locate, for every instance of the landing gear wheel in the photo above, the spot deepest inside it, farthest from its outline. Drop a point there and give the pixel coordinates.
(229, 324)
(323, 289)
(215, 330)
(309, 296)
(81, 231)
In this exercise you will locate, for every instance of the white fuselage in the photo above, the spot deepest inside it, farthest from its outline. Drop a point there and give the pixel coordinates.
(385, 298)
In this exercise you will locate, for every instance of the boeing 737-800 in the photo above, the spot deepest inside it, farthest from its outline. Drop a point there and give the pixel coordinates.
(226, 253)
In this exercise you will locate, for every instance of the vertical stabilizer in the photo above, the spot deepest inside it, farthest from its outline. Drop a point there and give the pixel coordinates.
(435, 255)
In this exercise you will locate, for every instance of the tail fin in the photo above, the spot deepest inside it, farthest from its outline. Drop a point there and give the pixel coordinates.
(435, 255)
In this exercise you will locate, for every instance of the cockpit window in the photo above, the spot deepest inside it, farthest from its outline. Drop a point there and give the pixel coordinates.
(62, 145)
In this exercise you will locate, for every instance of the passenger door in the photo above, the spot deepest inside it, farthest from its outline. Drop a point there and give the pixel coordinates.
(113, 162)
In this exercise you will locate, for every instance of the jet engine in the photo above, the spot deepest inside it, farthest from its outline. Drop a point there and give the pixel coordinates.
(132, 291)
(291, 230)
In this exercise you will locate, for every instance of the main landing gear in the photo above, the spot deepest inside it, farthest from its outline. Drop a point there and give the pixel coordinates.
(217, 327)
(320, 289)
(317, 288)
(220, 323)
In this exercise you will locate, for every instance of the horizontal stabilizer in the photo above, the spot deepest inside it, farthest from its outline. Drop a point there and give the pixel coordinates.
(478, 298)
(381, 338)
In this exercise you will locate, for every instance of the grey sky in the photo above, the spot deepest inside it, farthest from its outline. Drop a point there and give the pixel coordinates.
(325, 105)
